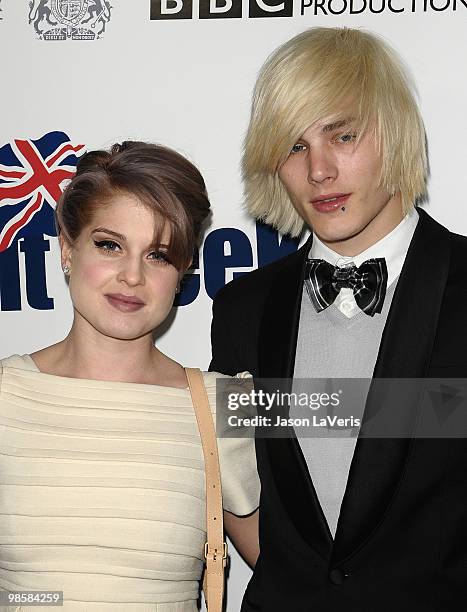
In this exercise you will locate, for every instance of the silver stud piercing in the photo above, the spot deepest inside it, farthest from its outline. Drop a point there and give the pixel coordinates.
(66, 270)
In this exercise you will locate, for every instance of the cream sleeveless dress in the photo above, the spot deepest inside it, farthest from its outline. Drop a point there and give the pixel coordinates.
(102, 492)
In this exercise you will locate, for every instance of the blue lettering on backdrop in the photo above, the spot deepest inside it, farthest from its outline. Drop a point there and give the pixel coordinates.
(10, 287)
(225, 248)
(34, 249)
(271, 246)
(229, 247)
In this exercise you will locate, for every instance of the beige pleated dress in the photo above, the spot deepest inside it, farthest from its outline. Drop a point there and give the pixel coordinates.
(102, 492)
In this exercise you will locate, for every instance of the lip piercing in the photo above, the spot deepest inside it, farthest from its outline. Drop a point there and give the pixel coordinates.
(343, 208)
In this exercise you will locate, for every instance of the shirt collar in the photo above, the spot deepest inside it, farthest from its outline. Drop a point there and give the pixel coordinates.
(393, 247)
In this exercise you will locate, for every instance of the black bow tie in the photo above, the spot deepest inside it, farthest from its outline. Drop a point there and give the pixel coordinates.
(324, 281)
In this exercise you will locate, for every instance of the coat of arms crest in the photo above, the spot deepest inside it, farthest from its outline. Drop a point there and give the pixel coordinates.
(69, 19)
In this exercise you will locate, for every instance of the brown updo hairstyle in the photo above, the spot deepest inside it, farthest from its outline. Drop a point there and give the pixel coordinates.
(160, 178)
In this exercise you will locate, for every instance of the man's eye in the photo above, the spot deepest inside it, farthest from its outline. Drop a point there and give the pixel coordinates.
(348, 137)
(297, 148)
(107, 245)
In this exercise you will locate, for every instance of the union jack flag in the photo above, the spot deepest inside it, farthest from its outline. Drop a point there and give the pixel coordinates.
(33, 174)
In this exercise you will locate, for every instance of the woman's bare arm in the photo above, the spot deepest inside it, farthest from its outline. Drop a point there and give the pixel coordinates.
(243, 531)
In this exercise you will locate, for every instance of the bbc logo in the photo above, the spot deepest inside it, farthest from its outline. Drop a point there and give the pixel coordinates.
(220, 9)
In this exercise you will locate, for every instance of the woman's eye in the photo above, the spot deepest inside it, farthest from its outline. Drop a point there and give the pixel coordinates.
(297, 148)
(107, 245)
(159, 256)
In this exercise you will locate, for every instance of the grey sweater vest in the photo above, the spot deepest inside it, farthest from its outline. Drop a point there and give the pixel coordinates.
(331, 345)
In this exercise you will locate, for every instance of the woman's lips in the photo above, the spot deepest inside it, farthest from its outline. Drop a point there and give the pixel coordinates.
(124, 303)
(330, 202)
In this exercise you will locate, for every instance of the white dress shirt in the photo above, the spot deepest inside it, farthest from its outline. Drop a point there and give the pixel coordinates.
(393, 247)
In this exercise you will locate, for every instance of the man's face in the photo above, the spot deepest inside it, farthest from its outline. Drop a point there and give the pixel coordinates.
(333, 183)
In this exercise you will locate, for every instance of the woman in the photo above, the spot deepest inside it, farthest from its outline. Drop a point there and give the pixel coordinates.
(101, 471)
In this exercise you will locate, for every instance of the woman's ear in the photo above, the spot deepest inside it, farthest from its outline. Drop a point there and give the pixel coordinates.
(66, 253)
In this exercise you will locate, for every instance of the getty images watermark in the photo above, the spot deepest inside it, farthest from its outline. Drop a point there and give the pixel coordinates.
(348, 407)
(260, 399)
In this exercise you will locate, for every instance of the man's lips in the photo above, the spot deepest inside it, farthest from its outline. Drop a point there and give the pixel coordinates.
(124, 303)
(330, 201)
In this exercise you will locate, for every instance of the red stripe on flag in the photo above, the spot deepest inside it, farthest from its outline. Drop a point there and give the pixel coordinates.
(62, 150)
(41, 177)
(29, 211)
(11, 174)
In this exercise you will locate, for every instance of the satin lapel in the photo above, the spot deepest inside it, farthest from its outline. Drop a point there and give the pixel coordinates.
(405, 352)
(276, 358)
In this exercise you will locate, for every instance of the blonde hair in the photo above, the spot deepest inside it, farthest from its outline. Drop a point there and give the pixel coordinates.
(331, 73)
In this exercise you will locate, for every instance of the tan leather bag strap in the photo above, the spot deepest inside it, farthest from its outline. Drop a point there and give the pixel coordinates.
(215, 549)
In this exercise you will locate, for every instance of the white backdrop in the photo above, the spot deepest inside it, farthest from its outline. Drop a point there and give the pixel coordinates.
(187, 83)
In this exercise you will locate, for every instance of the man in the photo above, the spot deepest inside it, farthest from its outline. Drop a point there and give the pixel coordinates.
(379, 290)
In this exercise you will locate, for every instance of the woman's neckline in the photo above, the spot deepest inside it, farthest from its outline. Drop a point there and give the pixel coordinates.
(35, 369)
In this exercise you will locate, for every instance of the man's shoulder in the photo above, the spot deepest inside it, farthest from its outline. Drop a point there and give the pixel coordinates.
(438, 234)
(459, 242)
(458, 261)
(427, 221)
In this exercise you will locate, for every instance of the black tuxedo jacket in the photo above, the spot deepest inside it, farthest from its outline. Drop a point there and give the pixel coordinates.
(401, 540)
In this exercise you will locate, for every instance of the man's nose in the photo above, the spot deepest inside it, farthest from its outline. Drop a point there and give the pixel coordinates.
(321, 165)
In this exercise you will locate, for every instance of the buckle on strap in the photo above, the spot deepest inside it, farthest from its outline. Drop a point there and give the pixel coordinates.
(213, 554)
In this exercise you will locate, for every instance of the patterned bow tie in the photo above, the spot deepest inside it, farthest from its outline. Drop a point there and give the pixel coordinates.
(368, 282)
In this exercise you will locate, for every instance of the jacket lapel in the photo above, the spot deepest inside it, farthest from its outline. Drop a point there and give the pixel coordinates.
(276, 359)
(405, 352)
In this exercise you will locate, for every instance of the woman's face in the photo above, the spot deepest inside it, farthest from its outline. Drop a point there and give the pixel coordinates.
(119, 284)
